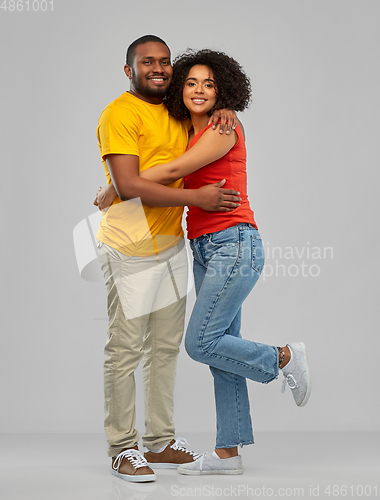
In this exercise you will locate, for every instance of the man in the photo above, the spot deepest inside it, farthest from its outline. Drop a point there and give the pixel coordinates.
(141, 250)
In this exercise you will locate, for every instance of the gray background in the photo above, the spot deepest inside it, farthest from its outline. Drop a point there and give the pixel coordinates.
(312, 137)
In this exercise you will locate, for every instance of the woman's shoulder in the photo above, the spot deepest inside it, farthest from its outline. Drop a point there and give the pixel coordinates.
(209, 133)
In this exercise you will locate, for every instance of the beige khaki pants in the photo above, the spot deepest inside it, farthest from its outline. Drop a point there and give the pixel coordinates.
(146, 300)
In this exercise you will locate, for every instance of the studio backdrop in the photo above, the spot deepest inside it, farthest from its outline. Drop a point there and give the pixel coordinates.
(313, 164)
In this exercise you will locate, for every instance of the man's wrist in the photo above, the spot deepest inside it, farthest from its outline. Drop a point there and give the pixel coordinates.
(194, 198)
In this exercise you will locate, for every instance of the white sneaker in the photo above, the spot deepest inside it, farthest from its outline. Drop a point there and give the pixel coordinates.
(210, 463)
(298, 378)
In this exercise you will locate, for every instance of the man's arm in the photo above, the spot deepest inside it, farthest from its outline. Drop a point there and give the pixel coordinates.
(124, 170)
(228, 120)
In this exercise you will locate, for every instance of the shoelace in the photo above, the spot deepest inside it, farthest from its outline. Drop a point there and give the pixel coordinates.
(290, 380)
(201, 461)
(134, 456)
(180, 444)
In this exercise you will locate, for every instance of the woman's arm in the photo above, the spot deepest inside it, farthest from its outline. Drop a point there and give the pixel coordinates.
(210, 147)
(124, 171)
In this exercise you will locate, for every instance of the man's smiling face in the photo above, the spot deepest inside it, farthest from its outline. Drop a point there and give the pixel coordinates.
(151, 72)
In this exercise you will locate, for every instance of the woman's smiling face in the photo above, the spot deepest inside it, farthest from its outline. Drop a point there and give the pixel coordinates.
(199, 92)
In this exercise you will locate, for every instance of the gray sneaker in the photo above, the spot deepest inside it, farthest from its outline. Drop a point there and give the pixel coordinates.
(210, 463)
(299, 378)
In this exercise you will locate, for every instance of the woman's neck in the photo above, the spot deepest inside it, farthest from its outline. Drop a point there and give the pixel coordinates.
(199, 122)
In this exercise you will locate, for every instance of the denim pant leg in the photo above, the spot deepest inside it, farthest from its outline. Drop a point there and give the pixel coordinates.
(232, 260)
(234, 426)
(228, 388)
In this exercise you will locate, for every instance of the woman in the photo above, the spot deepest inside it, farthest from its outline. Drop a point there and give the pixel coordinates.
(228, 256)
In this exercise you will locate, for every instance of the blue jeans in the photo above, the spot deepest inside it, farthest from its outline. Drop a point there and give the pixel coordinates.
(227, 265)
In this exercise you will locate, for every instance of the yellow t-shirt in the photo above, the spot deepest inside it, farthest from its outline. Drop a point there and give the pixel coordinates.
(129, 125)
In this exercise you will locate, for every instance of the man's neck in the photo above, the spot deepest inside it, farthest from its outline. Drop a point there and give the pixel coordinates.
(149, 99)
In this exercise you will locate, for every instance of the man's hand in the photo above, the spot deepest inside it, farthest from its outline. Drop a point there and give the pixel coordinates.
(105, 196)
(214, 198)
(224, 115)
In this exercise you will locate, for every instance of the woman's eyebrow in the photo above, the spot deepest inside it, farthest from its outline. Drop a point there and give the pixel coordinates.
(205, 80)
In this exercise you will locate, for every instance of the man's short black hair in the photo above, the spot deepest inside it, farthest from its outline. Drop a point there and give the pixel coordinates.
(140, 41)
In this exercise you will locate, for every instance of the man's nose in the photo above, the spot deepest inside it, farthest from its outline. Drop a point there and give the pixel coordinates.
(157, 68)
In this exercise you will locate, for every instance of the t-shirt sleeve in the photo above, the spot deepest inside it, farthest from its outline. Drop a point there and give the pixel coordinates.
(118, 132)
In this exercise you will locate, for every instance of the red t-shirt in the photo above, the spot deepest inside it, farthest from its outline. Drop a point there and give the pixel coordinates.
(231, 167)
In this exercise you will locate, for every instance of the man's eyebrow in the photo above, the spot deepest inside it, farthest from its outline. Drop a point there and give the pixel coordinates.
(151, 57)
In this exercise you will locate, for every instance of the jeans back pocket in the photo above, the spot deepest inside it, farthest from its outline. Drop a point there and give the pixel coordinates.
(258, 256)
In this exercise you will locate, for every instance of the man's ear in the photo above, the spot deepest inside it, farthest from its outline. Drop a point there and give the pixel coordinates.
(128, 71)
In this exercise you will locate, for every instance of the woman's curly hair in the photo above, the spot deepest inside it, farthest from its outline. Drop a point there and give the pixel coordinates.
(233, 88)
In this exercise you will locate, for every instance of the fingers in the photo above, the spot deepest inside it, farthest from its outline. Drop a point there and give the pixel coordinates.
(220, 184)
(229, 122)
(229, 127)
(231, 119)
(230, 199)
(230, 191)
(234, 121)
(230, 204)
(214, 120)
(95, 202)
(223, 121)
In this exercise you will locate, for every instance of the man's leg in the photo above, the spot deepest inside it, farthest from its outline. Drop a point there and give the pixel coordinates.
(127, 290)
(161, 348)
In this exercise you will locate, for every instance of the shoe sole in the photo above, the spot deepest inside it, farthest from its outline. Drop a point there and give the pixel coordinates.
(163, 465)
(135, 479)
(307, 395)
(209, 472)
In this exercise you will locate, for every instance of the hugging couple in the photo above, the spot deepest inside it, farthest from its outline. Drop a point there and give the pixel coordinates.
(174, 140)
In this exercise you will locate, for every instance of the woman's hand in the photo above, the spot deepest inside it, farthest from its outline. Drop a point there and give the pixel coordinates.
(224, 115)
(214, 198)
(105, 196)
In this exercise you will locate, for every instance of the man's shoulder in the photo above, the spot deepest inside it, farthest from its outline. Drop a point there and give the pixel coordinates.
(121, 102)
(120, 108)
